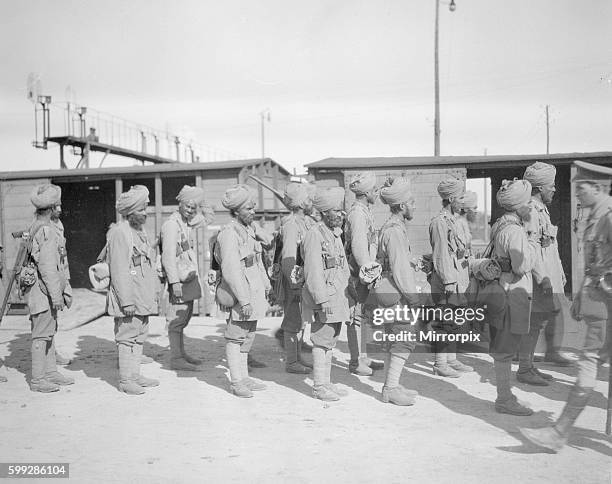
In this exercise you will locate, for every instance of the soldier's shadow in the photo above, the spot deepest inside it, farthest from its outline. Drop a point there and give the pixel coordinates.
(19, 354)
(97, 358)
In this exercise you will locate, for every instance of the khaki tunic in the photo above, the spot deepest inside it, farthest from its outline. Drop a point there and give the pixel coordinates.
(240, 256)
(293, 230)
(547, 262)
(324, 283)
(464, 247)
(510, 242)
(176, 247)
(133, 278)
(51, 283)
(444, 243)
(360, 236)
(598, 239)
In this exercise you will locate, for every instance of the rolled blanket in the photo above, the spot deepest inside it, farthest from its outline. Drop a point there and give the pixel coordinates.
(368, 273)
(485, 269)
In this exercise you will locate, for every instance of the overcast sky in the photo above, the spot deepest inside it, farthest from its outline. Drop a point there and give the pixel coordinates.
(340, 77)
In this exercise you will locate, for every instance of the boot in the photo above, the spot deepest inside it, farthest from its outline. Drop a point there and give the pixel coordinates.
(556, 358)
(186, 357)
(392, 391)
(38, 382)
(455, 364)
(251, 383)
(177, 362)
(62, 360)
(319, 389)
(506, 402)
(143, 381)
(396, 396)
(530, 377)
(51, 373)
(329, 354)
(545, 376)
(373, 364)
(441, 366)
(238, 387)
(127, 384)
(292, 365)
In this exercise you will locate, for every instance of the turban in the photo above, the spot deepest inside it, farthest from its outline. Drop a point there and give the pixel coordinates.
(397, 192)
(451, 188)
(540, 174)
(190, 194)
(237, 196)
(296, 195)
(362, 182)
(468, 200)
(514, 194)
(46, 196)
(135, 199)
(329, 199)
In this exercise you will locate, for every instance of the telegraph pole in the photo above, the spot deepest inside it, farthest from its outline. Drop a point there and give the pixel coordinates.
(547, 132)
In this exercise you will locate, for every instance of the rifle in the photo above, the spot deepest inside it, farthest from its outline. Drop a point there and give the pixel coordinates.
(280, 195)
(20, 260)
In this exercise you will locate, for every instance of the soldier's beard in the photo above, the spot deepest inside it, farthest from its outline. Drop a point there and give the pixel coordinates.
(333, 221)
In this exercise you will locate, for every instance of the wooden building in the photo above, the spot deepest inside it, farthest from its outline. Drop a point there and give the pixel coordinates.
(89, 196)
(426, 173)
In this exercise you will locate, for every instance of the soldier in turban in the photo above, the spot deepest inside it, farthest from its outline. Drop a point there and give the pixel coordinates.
(132, 294)
(447, 283)
(465, 206)
(515, 253)
(289, 290)
(395, 256)
(360, 239)
(244, 283)
(548, 278)
(325, 266)
(179, 264)
(48, 294)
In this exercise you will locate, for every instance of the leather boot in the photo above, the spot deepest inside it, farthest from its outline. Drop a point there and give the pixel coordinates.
(143, 381)
(292, 365)
(357, 365)
(530, 377)
(38, 383)
(177, 362)
(237, 386)
(127, 384)
(51, 373)
(186, 357)
(506, 402)
(556, 358)
(396, 396)
(251, 383)
(341, 392)
(319, 389)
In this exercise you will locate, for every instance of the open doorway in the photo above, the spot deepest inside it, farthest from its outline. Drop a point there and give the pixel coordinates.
(88, 208)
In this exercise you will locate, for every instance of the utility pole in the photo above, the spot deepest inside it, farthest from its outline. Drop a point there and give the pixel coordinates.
(452, 8)
(547, 132)
(264, 115)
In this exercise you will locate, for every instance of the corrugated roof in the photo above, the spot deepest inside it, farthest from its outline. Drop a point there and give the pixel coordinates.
(415, 161)
(125, 170)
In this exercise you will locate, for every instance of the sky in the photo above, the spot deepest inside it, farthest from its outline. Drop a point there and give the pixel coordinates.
(341, 78)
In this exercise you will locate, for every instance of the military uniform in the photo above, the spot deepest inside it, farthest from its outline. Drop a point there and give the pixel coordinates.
(50, 291)
(516, 254)
(59, 227)
(177, 249)
(593, 304)
(361, 247)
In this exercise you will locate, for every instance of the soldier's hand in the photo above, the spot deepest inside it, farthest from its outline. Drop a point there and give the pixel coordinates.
(575, 309)
(326, 308)
(129, 310)
(450, 288)
(246, 310)
(58, 306)
(177, 291)
(546, 286)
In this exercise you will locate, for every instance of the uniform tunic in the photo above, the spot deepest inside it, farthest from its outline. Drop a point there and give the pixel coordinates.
(464, 251)
(326, 275)
(444, 243)
(133, 279)
(293, 230)
(510, 242)
(395, 256)
(240, 256)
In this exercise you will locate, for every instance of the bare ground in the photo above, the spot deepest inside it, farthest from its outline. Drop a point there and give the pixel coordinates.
(191, 429)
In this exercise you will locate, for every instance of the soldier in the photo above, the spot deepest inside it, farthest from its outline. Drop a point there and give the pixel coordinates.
(324, 295)
(395, 256)
(59, 227)
(132, 294)
(515, 254)
(49, 294)
(446, 280)
(243, 275)
(593, 303)
(179, 262)
(361, 246)
(293, 230)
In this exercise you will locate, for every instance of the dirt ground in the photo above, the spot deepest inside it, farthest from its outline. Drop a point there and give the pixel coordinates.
(191, 429)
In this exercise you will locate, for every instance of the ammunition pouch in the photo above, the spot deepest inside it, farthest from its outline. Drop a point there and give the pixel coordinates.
(330, 262)
(505, 264)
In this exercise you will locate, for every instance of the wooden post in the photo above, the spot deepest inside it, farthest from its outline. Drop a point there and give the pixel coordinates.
(158, 203)
(118, 191)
